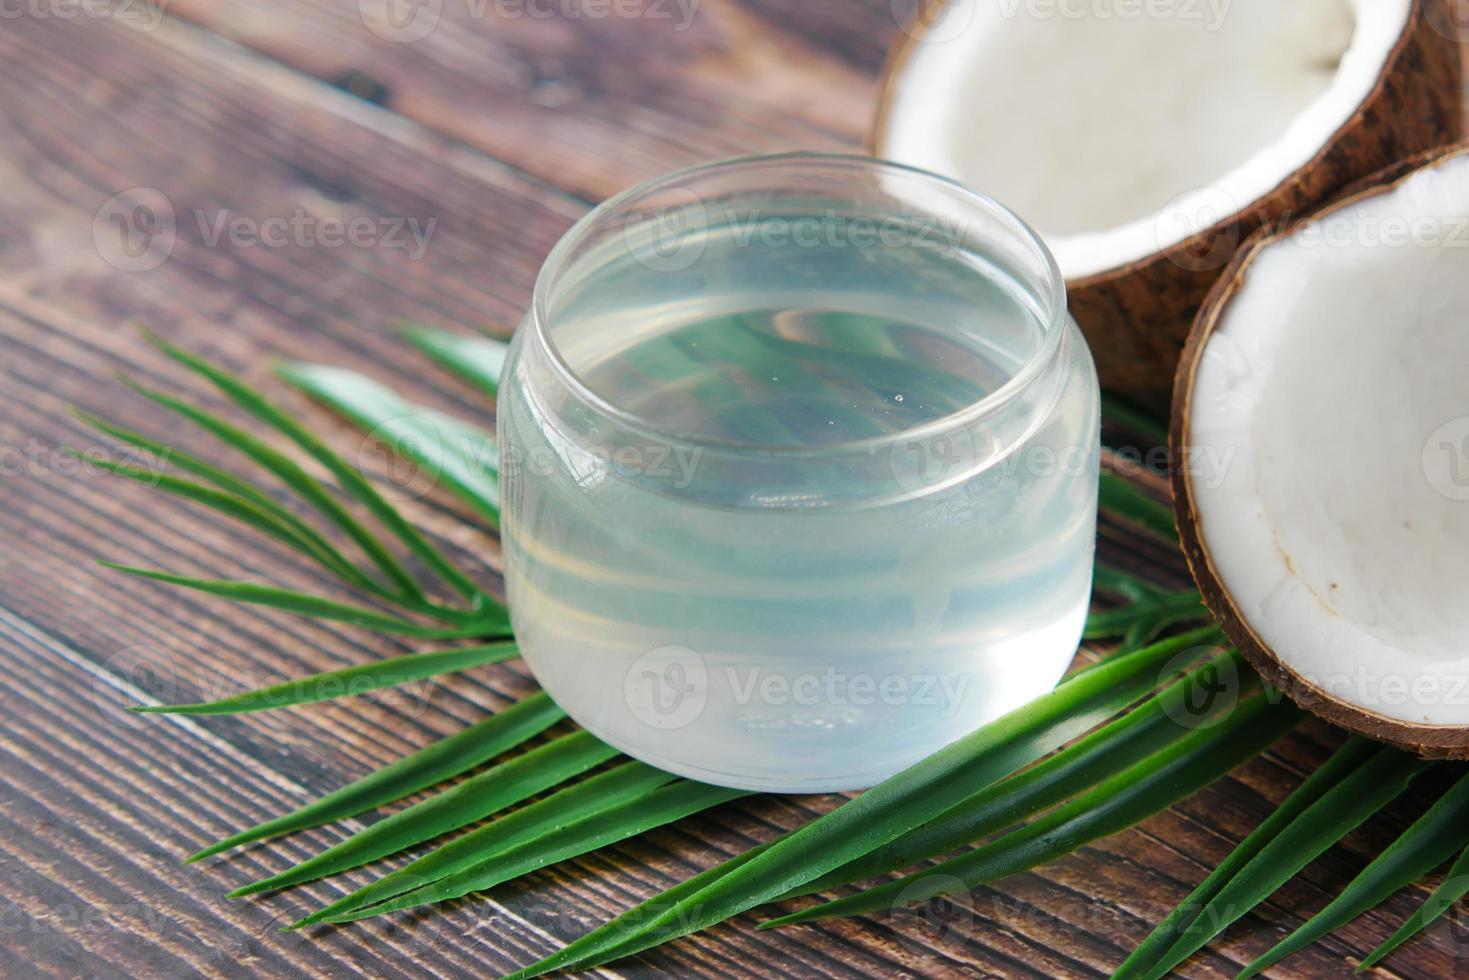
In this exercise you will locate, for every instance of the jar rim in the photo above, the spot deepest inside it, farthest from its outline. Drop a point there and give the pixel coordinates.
(1053, 298)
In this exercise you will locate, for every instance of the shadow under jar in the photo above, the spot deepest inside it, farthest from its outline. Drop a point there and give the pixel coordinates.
(799, 461)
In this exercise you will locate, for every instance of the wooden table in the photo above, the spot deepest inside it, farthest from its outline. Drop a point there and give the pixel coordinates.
(501, 126)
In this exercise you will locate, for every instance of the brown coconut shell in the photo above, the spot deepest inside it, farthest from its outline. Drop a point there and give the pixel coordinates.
(1137, 317)
(1430, 741)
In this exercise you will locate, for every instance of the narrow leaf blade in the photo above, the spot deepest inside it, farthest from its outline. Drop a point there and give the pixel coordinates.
(1135, 736)
(308, 605)
(461, 456)
(663, 806)
(1339, 810)
(1153, 785)
(346, 475)
(1429, 842)
(230, 483)
(1454, 887)
(478, 360)
(592, 796)
(290, 473)
(442, 760)
(474, 799)
(346, 682)
(1121, 497)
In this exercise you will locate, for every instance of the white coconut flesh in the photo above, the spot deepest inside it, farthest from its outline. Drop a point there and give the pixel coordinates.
(1328, 433)
(1120, 128)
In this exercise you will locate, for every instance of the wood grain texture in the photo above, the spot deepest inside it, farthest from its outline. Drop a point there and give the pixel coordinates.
(98, 806)
(589, 100)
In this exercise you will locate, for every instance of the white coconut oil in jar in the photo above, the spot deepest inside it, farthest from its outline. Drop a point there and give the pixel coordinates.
(800, 471)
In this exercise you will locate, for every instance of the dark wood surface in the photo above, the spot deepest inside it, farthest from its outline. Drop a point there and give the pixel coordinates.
(501, 129)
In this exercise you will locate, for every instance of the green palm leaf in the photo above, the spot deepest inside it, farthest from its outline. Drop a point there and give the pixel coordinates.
(1117, 746)
(317, 606)
(1147, 612)
(1431, 841)
(1114, 581)
(663, 806)
(1121, 497)
(349, 681)
(444, 759)
(1155, 612)
(478, 360)
(1134, 420)
(1342, 763)
(1339, 810)
(289, 472)
(602, 945)
(346, 476)
(232, 484)
(462, 456)
(1155, 784)
(591, 797)
(474, 799)
(245, 511)
(928, 813)
(1454, 887)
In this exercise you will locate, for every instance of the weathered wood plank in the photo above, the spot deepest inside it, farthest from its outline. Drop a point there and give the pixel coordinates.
(96, 811)
(591, 102)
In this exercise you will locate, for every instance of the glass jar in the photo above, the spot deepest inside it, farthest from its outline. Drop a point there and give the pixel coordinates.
(799, 462)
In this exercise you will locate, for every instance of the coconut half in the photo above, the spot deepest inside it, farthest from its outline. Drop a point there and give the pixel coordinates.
(1145, 140)
(1321, 438)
